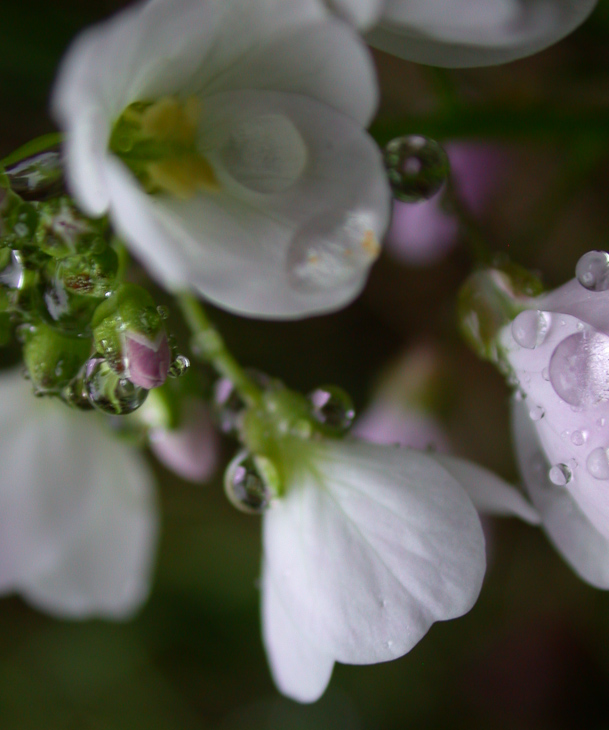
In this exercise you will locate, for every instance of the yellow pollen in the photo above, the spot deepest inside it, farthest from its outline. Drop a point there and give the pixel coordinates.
(169, 128)
(370, 244)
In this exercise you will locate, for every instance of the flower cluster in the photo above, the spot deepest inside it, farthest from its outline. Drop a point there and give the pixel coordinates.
(224, 143)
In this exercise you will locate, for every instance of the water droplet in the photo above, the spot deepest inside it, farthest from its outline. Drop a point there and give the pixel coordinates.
(109, 393)
(578, 368)
(179, 366)
(545, 374)
(560, 474)
(530, 328)
(38, 177)
(592, 271)
(246, 485)
(578, 438)
(597, 463)
(417, 167)
(536, 413)
(601, 422)
(163, 311)
(332, 407)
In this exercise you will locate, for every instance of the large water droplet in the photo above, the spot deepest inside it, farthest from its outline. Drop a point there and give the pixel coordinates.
(332, 407)
(417, 167)
(246, 483)
(560, 474)
(530, 328)
(579, 368)
(110, 393)
(598, 463)
(592, 270)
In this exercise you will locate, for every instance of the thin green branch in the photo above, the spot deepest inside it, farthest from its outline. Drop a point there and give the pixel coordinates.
(209, 346)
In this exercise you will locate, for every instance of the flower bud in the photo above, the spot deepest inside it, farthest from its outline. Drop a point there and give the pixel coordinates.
(53, 358)
(39, 176)
(489, 300)
(128, 331)
(191, 450)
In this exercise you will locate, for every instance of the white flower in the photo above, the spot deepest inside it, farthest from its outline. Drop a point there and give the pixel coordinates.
(244, 119)
(464, 32)
(78, 521)
(558, 352)
(368, 546)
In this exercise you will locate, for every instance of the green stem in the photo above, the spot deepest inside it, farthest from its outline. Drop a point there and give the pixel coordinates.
(477, 244)
(209, 345)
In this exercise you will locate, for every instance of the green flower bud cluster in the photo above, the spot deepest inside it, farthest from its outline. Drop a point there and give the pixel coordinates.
(87, 337)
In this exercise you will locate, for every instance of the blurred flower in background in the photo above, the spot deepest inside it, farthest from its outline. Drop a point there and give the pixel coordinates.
(465, 32)
(78, 517)
(422, 233)
(192, 449)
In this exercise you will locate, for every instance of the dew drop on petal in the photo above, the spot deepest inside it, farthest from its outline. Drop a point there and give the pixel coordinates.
(592, 271)
(332, 407)
(598, 463)
(560, 474)
(530, 328)
(578, 438)
(417, 167)
(545, 374)
(536, 413)
(246, 486)
(579, 369)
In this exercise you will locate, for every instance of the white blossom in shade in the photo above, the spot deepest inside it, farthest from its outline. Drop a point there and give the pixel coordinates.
(78, 519)
(464, 32)
(266, 195)
(365, 549)
(558, 354)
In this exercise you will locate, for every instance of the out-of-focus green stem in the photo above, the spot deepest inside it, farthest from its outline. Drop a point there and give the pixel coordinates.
(209, 346)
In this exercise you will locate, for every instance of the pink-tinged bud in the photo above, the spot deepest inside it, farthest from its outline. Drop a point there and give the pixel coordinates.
(385, 423)
(423, 233)
(146, 361)
(192, 450)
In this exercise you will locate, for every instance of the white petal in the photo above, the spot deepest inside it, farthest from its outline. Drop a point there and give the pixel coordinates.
(300, 670)
(361, 13)
(567, 432)
(77, 517)
(369, 547)
(475, 32)
(588, 306)
(297, 239)
(44, 489)
(488, 492)
(582, 546)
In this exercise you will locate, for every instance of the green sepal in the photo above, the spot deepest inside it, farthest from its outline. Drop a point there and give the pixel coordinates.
(33, 147)
(53, 358)
(489, 300)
